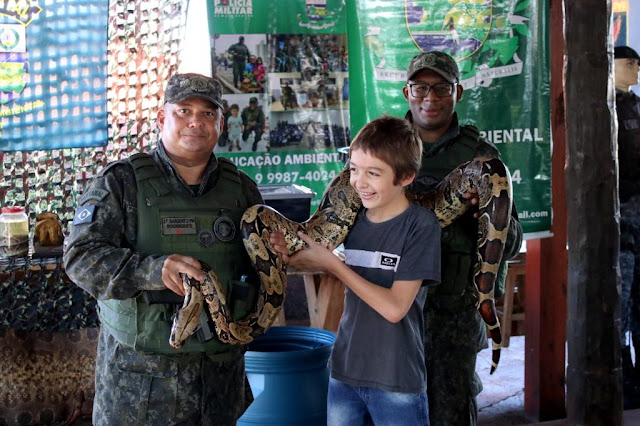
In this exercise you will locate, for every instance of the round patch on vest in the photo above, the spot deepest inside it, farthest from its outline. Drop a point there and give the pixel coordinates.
(206, 238)
(224, 229)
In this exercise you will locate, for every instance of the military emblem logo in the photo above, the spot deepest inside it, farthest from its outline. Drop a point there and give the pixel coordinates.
(483, 36)
(224, 229)
(206, 238)
(13, 62)
(316, 16)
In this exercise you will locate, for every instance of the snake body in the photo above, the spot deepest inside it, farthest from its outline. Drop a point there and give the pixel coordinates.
(331, 224)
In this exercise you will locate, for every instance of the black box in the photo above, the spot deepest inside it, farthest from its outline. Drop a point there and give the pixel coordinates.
(292, 201)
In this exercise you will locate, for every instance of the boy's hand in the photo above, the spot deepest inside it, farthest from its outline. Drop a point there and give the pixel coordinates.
(277, 241)
(472, 196)
(311, 258)
(314, 257)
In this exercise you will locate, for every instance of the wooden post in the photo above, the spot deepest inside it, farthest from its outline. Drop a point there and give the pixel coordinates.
(546, 267)
(594, 377)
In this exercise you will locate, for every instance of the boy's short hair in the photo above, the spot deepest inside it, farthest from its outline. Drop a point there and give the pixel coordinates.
(235, 106)
(394, 141)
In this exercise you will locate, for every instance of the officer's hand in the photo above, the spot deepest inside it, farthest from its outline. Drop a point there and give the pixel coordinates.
(174, 265)
(472, 196)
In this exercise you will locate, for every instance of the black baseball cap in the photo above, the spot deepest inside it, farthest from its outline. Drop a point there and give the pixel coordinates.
(625, 52)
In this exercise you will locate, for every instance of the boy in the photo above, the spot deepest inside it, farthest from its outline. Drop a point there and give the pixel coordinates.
(235, 127)
(391, 253)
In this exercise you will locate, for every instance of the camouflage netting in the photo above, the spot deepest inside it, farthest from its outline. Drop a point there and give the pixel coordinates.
(144, 42)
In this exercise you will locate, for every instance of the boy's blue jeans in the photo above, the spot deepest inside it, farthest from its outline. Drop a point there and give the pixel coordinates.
(354, 405)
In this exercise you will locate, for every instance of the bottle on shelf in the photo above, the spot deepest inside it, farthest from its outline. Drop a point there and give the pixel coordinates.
(14, 232)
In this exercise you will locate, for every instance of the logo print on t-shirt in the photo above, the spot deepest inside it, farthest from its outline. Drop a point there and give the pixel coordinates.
(386, 260)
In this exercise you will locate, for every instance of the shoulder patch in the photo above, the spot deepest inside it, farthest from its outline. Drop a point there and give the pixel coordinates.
(84, 214)
(97, 194)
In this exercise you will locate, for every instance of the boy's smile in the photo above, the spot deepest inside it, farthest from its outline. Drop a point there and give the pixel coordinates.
(373, 179)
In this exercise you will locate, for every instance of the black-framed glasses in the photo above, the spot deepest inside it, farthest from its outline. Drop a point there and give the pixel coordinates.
(421, 90)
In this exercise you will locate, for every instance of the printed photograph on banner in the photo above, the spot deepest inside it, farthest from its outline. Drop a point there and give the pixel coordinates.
(293, 91)
(620, 18)
(308, 52)
(240, 62)
(309, 130)
(246, 124)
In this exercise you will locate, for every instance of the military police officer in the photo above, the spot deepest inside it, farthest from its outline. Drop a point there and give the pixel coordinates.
(240, 55)
(143, 223)
(628, 112)
(253, 120)
(454, 331)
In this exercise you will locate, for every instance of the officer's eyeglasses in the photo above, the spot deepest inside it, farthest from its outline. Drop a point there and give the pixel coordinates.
(421, 90)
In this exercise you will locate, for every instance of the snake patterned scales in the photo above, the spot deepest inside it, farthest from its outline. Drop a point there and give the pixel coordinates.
(331, 223)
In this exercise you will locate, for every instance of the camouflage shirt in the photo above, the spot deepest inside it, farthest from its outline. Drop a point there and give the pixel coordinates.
(100, 256)
(249, 115)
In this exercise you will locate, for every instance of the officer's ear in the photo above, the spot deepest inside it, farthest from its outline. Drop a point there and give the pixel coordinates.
(459, 91)
(405, 92)
(220, 120)
(161, 117)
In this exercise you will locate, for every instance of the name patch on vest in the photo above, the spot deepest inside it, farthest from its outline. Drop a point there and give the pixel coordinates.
(179, 226)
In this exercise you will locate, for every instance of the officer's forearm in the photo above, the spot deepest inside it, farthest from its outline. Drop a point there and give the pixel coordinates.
(108, 272)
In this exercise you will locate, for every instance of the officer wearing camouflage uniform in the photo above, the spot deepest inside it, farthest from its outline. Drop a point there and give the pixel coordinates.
(143, 223)
(240, 54)
(628, 112)
(253, 120)
(454, 331)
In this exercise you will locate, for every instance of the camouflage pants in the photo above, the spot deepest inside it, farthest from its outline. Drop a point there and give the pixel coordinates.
(238, 72)
(452, 341)
(133, 388)
(630, 270)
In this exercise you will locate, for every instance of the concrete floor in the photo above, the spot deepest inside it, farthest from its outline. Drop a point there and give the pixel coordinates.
(501, 403)
(502, 400)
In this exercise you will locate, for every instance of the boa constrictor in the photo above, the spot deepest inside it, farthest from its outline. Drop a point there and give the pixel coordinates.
(331, 223)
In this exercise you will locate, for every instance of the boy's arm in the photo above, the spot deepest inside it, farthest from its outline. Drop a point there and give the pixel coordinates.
(391, 303)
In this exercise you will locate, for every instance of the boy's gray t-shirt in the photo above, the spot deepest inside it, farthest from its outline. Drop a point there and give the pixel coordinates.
(369, 350)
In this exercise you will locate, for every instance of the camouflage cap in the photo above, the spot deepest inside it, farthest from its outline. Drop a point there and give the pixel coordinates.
(253, 100)
(436, 61)
(185, 86)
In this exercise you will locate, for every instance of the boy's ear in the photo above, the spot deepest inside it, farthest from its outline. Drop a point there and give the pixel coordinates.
(406, 181)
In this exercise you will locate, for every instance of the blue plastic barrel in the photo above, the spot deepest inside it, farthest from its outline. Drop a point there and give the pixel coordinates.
(287, 370)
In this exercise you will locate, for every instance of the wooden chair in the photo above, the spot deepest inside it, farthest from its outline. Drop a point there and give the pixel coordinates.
(514, 284)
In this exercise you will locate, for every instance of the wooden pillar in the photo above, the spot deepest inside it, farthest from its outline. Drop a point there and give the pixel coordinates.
(546, 268)
(594, 378)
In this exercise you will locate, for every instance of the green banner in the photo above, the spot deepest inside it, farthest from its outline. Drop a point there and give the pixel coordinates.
(502, 51)
(284, 69)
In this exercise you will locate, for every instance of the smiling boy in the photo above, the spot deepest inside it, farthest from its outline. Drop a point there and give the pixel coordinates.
(391, 253)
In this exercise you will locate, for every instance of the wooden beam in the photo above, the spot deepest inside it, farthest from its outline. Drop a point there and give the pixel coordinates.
(594, 376)
(546, 299)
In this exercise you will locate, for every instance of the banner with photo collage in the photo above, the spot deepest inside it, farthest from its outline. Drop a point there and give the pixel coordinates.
(283, 66)
(302, 86)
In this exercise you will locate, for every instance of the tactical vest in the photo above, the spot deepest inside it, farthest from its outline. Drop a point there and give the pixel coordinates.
(459, 240)
(204, 227)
